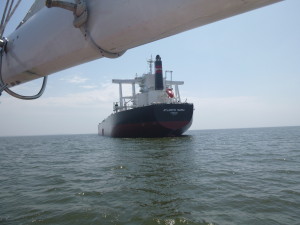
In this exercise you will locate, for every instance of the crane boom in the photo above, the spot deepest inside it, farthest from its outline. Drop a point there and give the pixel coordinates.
(58, 37)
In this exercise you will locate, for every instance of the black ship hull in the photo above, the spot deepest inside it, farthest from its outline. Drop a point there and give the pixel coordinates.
(157, 120)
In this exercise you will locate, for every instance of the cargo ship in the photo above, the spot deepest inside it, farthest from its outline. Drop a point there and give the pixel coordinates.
(155, 111)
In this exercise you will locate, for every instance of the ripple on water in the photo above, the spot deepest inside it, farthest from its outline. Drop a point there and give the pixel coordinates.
(243, 176)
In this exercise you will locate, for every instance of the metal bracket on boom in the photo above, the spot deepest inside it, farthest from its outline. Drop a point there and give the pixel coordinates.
(3, 44)
(80, 12)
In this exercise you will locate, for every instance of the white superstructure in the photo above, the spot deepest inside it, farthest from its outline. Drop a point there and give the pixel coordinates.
(147, 93)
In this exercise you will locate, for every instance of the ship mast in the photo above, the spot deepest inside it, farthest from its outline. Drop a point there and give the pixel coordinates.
(150, 62)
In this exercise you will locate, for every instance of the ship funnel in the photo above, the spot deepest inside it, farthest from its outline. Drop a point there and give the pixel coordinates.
(158, 74)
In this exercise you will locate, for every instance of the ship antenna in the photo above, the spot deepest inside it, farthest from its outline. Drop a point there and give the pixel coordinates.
(150, 61)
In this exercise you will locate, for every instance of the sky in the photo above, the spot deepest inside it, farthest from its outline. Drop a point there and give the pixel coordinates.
(241, 72)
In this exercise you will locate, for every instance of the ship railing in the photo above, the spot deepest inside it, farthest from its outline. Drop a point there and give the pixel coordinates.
(170, 84)
(125, 106)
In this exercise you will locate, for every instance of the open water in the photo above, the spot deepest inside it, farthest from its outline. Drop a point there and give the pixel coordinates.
(238, 176)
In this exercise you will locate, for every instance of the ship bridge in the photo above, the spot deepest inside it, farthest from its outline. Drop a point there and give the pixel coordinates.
(147, 95)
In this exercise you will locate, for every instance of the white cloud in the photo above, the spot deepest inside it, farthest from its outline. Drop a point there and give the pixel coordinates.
(75, 79)
(72, 113)
(106, 94)
(243, 111)
(89, 86)
(103, 96)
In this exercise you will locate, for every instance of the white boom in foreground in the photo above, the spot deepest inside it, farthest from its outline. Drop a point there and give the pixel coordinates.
(64, 34)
